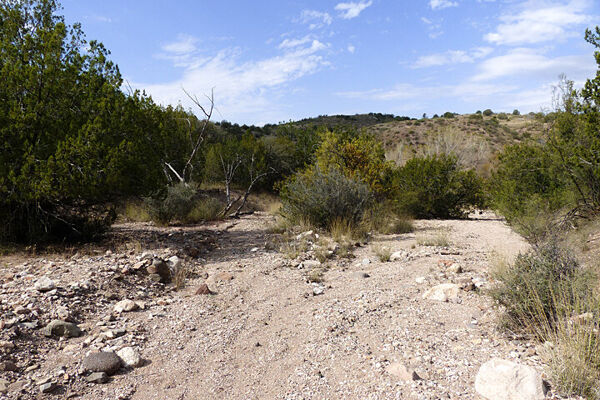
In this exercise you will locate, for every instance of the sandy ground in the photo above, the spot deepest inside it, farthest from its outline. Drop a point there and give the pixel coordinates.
(264, 334)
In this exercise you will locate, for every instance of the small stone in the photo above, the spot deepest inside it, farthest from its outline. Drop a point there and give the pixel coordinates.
(130, 356)
(220, 277)
(420, 280)
(366, 261)
(102, 361)
(400, 371)
(443, 292)
(126, 305)
(398, 256)
(47, 387)
(3, 385)
(160, 268)
(61, 328)
(455, 268)
(203, 289)
(318, 290)
(254, 249)
(6, 366)
(310, 264)
(97, 377)
(499, 379)
(363, 275)
(174, 262)
(44, 284)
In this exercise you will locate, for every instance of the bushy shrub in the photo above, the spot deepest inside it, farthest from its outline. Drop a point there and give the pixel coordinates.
(527, 187)
(541, 286)
(487, 112)
(176, 204)
(204, 209)
(358, 156)
(321, 197)
(436, 187)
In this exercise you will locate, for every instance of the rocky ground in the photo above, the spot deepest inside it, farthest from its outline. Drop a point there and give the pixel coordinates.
(119, 321)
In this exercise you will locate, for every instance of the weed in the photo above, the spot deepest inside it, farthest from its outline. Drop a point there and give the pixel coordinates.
(440, 239)
(384, 253)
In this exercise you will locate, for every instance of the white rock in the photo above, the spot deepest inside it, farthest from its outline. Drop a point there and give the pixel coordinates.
(308, 264)
(499, 379)
(318, 290)
(443, 292)
(126, 305)
(402, 372)
(174, 263)
(420, 280)
(44, 284)
(366, 261)
(130, 356)
(398, 255)
(304, 234)
(254, 249)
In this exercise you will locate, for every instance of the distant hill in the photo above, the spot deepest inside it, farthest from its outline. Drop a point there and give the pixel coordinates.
(356, 120)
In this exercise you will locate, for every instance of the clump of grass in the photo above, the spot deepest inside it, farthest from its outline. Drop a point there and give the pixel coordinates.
(135, 211)
(546, 293)
(439, 239)
(384, 253)
(207, 209)
(316, 275)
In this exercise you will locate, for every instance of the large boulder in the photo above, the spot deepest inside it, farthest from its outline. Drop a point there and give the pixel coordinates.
(500, 379)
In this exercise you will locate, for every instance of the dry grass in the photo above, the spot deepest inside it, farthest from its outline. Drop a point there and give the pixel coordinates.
(135, 211)
(439, 239)
(382, 252)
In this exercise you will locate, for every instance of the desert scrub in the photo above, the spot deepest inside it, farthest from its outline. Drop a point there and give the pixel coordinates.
(322, 197)
(176, 204)
(541, 286)
(135, 211)
(205, 209)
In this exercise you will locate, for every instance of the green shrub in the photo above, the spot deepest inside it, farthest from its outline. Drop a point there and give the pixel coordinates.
(205, 209)
(322, 197)
(487, 112)
(435, 187)
(527, 187)
(540, 287)
(175, 205)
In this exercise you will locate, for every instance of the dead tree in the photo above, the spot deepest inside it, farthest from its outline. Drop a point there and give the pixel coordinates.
(185, 174)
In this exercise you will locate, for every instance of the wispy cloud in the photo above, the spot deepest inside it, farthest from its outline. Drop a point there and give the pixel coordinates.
(183, 45)
(315, 19)
(242, 89)
(523, 62)
(452, 57)
(351, 49)
(540, 21)
(352, 9)
(435, 29)
(290, 43)
(441, 4)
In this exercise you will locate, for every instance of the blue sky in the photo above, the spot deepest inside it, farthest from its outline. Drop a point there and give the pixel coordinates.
(271, 61)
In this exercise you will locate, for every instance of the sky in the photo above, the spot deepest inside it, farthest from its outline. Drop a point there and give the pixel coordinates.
(274, 61)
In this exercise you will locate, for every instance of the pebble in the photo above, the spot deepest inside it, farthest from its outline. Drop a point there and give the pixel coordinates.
(97, 377)
(47, 387)
(130, 357)
(102, 361)
(6, 366)
(3, 385)
(402, 372)
(61, 328)
(44, 284)
(126, 306)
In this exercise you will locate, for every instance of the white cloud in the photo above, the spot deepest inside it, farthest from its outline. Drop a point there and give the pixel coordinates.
(523, 62)
(351, 49)
(441, 4)
(540, 22)
(452, 57)
(290, 43)
(315, 19)
(426, 21)
(243, 90)
(352, 9)
(183, 45)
